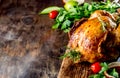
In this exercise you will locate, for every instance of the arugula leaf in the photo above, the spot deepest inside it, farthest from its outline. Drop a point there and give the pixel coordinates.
(97, 76)
(66, 24)
(55, 26)
(49, 9)
(114, 73)
(104, 67)
(67, 30)
(61, 18)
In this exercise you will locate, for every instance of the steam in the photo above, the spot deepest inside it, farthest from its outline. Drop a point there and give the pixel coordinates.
(9, 36)
(14, 67)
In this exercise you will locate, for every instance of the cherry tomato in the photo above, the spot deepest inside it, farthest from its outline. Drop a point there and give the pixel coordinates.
(68, 5)
(53, 14)
(96, 67)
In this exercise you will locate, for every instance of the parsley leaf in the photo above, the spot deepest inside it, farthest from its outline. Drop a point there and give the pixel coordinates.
(72, 54)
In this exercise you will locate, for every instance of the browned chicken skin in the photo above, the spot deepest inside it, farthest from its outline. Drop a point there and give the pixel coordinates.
(97, 39)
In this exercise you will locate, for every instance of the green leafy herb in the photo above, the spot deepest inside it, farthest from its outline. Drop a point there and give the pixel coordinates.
(114, 73)
(72, 54)
(97, 76)
(55, 26)
(104, 67)
(111, 72)
(66, 18)
(49, 9)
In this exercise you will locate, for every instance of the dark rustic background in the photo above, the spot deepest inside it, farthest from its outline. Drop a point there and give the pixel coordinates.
(29, 48)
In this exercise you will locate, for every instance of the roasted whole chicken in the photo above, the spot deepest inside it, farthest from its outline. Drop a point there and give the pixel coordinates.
(97, 38)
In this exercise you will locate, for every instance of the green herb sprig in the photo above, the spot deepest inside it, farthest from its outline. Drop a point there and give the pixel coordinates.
(66, 18)
(72, 54)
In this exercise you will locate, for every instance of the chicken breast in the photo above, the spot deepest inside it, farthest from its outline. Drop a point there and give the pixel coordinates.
(97, 39)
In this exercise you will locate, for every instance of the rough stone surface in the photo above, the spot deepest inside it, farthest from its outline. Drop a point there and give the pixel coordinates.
(29, 48)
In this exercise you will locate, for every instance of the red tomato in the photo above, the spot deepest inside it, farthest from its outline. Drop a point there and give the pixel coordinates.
(96, 67)
(53, 14)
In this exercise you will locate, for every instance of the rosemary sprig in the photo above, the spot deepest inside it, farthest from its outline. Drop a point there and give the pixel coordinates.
(103, 24)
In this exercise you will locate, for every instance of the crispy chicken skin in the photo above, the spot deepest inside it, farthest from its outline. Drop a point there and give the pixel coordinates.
(97, 39)
(117, 36)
